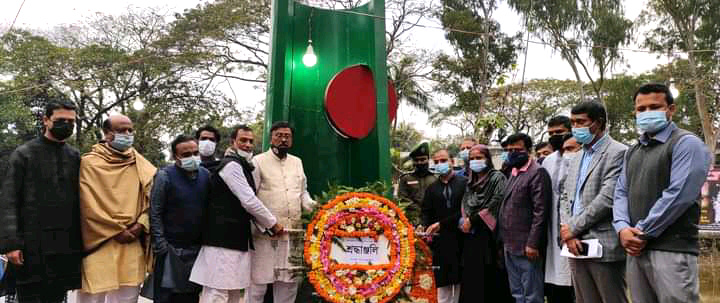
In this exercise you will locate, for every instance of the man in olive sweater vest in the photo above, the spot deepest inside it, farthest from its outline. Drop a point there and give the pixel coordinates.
(657, 203)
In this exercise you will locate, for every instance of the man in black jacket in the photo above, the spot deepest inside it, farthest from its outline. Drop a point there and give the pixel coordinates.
(441, 214)
(39, 211)
(178, 200)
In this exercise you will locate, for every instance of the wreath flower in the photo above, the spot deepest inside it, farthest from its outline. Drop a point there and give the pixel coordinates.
(359, 215)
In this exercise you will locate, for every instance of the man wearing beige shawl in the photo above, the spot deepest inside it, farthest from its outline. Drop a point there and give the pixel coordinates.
(115, 183)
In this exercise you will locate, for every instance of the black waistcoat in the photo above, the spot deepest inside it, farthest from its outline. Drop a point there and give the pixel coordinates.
(227, 223)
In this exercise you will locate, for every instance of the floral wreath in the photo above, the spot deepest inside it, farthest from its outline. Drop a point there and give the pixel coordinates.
(359, 215)
(423, 289)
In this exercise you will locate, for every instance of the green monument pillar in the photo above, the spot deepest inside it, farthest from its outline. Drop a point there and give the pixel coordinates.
(296, 92)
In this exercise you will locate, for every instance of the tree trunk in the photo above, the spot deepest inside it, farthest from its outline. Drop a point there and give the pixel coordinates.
(571, 61)
(700, 101)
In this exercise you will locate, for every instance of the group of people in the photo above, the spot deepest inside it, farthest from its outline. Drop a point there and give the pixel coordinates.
(207, 229)
(586, 219)
(218, 229)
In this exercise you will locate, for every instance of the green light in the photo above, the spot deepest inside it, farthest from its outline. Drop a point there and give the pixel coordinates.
(309, 59)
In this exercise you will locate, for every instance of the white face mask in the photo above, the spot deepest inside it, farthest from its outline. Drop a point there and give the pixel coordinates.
(247, 155)
(569, 155)
(207, 148)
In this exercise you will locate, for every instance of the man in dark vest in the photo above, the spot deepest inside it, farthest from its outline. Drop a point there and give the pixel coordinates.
(178, 200)
(223, 265)
(40, 212)
(657, 203)
(208, 138)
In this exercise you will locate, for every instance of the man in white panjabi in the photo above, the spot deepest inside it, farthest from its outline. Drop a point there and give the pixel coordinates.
(282, 186)
(223, 264)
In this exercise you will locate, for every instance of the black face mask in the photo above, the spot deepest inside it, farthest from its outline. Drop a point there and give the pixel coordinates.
(61, 130)
(557, 141)
(280, 151)
(422, 168)
(518, 159)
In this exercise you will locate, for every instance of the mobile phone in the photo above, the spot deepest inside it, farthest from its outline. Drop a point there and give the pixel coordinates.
(585, 249)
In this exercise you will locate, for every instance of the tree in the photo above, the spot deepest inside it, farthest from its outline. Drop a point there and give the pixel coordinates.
(227, 39)
(406, 75)
(569, 26)
(620, 106)
(106, 64)
(691, 26)
(478, 63)
(529, 113)
(405, 137)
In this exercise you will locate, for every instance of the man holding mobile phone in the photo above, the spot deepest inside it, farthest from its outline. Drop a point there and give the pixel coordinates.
(586, 208)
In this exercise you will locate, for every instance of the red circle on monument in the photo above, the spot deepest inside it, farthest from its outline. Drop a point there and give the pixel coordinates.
(392, 101)
(350, 102)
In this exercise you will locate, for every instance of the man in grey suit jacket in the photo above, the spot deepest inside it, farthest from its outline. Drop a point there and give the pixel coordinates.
(586, 207)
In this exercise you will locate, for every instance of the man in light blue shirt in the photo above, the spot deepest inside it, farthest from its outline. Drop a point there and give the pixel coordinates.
(657, 202)
(586, 208)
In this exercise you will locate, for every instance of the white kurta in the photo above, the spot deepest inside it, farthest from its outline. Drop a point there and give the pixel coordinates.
(282, 186)
(223, 268)
(557, 269)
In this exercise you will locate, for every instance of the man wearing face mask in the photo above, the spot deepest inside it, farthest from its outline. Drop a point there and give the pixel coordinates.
(224, 263)
(657, 202)
(504, 167)
(412, 186)
(464, 154)
(178, 200)
(115, 184)
(558, 281)
(441, 213)
(523, 221)
(40, 230)
(586, 207)
(282, 185)
(542, 150)
(208, 138)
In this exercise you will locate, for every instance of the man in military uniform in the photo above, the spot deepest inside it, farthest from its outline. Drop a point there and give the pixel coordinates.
(412, 185)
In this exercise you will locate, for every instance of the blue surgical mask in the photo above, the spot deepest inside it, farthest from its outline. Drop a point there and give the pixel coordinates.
(191, 163)
(651, 121)
(122, 142)
(583, 135)
(504, 156)
(478, 165)
(442, 168)
(464, 154)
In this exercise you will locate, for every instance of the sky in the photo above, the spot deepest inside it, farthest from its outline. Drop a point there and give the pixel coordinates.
(542, 62)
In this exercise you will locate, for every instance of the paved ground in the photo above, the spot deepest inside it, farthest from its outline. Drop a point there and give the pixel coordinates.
(71, 299)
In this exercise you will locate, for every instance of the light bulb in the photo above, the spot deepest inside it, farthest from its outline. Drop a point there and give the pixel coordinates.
(138, 105)
(674, 91)
(309, 59)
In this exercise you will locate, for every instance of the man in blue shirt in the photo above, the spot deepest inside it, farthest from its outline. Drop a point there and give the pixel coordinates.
(657, 208)
(586, 208)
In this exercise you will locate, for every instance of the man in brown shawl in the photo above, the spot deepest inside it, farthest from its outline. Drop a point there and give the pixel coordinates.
(115, 183)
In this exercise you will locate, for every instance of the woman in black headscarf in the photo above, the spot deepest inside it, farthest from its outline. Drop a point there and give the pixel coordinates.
(482, 279)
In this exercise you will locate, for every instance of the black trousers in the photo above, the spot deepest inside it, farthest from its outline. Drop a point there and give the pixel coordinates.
(559, 294)
(165, 295)
(35, 294)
